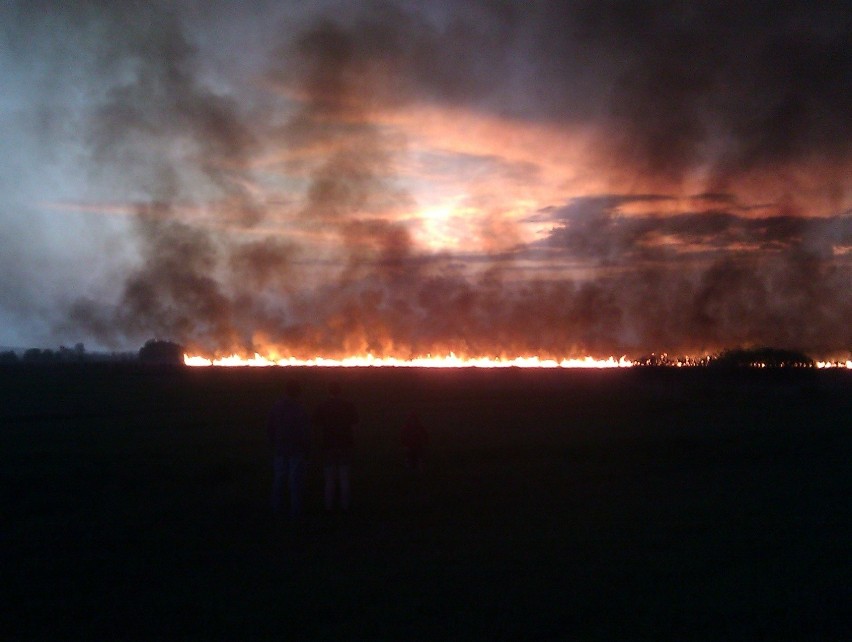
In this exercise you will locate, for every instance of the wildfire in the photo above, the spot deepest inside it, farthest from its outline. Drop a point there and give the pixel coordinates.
(835, 364)
(428, 361)
(453, 361)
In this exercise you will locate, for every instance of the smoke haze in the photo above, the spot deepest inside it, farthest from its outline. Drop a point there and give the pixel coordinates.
(488, 178)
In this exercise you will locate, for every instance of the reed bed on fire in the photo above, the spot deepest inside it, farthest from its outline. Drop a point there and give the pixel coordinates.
(687, 504)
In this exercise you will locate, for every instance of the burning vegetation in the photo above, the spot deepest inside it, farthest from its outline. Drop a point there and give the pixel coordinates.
(740, 358)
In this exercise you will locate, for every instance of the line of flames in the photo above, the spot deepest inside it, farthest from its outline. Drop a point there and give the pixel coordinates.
(428, 361)
(448, 361)
(835, 364)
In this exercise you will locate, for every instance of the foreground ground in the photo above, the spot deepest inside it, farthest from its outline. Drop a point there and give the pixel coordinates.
(658, 504)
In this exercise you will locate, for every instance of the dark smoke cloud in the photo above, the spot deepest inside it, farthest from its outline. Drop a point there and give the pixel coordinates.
(167, 140)
(160, 120)
(174, 291)
(596, 228)
(673, 87)
(353, 183)
(721, 278)
(683, 84)
(669, 90)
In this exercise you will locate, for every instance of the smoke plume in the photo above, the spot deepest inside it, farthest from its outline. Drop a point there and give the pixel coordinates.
(276, 182)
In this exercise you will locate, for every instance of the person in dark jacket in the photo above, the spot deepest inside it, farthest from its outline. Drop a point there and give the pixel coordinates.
(335, 418)
(288, 436)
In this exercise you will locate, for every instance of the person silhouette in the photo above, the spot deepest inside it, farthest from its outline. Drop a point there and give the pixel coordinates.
(335, 418)
(288, 428)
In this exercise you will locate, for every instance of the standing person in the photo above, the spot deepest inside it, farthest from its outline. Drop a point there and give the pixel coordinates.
(288, 435)
(336, 417)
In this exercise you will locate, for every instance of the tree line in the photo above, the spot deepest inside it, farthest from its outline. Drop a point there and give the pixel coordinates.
(155, 351)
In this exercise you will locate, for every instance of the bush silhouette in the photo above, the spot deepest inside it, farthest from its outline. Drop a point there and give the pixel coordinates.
(161, 352)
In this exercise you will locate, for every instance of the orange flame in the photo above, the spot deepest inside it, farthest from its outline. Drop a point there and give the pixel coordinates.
(428, 361)
(835, 364)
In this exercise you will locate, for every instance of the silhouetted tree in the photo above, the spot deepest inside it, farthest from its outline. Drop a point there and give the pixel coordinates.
(161, 352)
(8, 356)
(33, 355)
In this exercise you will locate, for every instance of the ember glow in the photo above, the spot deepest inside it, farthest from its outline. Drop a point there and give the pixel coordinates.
(448, 361)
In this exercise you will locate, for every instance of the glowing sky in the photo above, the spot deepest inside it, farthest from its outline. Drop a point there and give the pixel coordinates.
(488, 178)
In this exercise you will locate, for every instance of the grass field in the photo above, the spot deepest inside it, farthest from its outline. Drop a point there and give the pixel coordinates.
(588, 505)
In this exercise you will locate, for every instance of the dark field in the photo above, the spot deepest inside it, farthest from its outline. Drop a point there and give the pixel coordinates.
(611, 505)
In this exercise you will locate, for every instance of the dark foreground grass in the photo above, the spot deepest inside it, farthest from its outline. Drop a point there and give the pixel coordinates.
(580, 505)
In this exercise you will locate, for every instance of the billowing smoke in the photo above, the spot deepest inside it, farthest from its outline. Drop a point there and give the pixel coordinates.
(275, 212)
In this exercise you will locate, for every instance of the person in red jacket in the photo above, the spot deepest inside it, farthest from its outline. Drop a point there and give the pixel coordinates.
(335, 418)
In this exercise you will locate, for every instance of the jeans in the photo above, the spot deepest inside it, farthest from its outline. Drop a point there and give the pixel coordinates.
(289, 470)
(337, 479)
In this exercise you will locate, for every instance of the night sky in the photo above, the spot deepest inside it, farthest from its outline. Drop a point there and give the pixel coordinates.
(498, 178)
